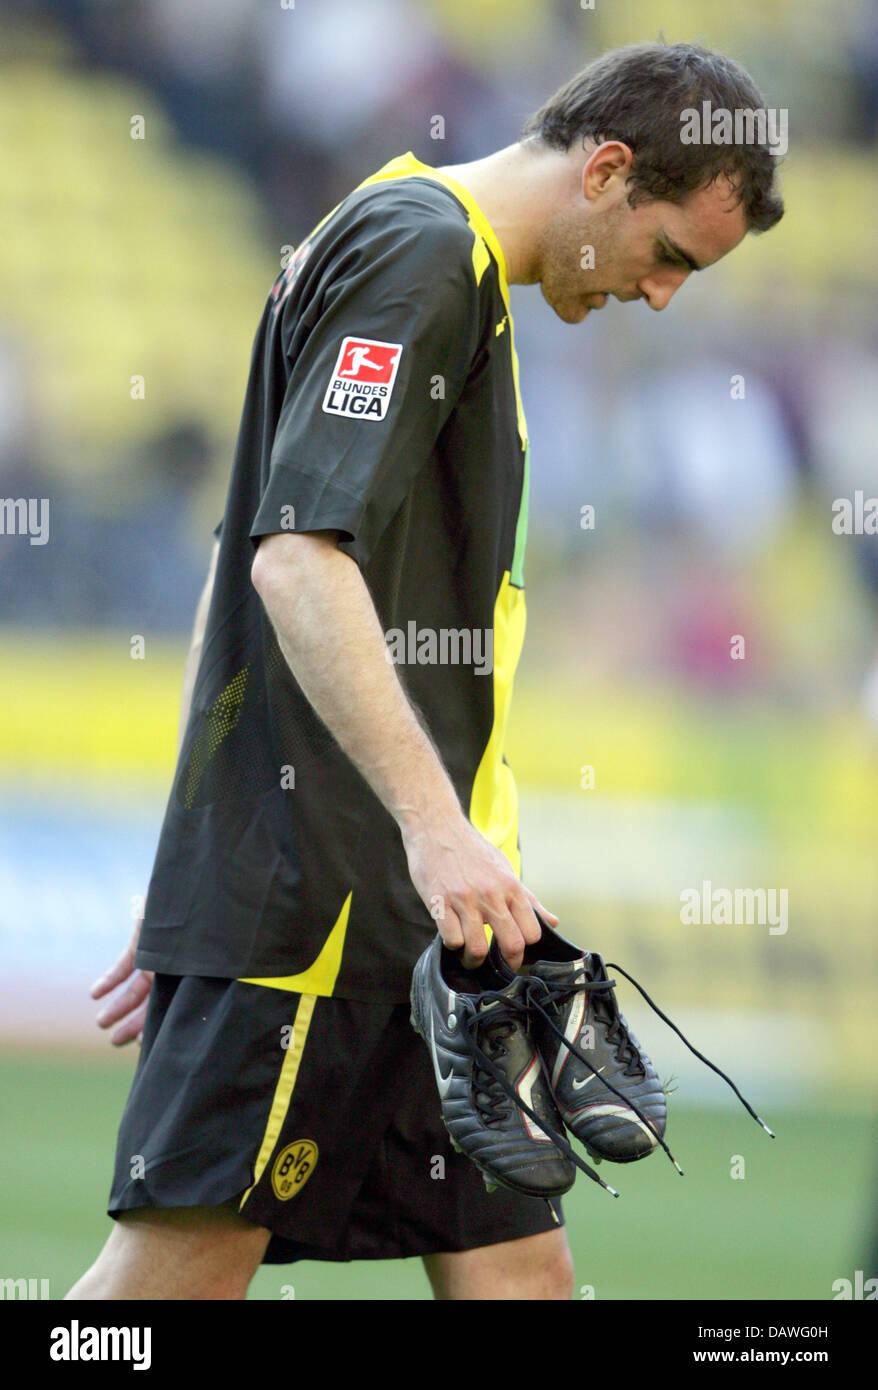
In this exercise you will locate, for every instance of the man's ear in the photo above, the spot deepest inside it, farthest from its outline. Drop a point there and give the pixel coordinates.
(608, 163)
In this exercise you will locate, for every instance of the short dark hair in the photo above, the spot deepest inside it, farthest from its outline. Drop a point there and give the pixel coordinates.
(636, 94)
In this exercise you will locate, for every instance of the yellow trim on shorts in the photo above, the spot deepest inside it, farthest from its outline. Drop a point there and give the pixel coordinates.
(283, 1091)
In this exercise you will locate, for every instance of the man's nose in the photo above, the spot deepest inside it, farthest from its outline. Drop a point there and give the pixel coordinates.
(659, 290)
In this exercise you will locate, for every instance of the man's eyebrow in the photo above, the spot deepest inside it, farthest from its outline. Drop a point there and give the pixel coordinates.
(678, 251)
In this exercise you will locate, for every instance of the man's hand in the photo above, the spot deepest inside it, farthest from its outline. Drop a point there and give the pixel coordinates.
(130, 1005)
(465, 882)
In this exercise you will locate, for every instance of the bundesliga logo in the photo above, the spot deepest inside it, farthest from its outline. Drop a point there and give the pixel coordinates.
(363, 379)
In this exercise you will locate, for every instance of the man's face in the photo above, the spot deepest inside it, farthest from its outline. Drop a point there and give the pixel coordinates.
(645, 252)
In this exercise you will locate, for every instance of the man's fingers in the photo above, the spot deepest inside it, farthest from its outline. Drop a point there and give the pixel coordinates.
(116, 975)
(515, 927)
(523, 911)
(451, 931)
(538, 907)
(129, 999)
(543, 911)
(510, 938)
(119, 973)
(546, 914)
(467, 931)
(130, 1030)
(473, 951)
(472, 920)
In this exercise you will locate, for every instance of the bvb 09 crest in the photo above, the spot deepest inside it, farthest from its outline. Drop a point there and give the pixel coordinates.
(293, 1167)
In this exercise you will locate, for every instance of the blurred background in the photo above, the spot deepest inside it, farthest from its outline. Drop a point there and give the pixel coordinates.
(157, 158)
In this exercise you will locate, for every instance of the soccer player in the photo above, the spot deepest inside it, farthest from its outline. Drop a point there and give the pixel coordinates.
(341, 790)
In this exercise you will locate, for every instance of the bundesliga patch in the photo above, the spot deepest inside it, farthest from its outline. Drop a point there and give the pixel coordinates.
(362, 381)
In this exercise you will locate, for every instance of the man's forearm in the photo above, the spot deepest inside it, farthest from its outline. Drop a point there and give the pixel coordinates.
(193, 656)
(330, 636)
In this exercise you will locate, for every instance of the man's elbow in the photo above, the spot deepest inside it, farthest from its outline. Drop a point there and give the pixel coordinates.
(280, 558)
(261, 568)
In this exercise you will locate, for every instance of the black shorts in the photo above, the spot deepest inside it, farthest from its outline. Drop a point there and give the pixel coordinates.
(319, 1116)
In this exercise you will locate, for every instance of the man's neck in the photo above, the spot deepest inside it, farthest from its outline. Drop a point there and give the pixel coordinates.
(518, 189)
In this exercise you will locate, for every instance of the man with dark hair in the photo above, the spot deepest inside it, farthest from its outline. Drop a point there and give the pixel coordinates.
(638, 95)
(341, 789)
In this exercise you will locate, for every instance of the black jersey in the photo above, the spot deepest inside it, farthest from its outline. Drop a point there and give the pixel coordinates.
(382, 403)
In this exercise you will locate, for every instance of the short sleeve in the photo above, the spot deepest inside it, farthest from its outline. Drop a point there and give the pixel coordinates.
(375, 369)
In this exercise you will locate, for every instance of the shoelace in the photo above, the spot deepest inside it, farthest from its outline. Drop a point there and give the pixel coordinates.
(506, 1011)
(491, 1102)
(627, 1053)
(694, 1050)
(560, 991)
(512, 1011)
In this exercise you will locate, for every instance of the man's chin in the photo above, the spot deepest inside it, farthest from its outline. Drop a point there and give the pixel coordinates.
(572, 313)
(573, 309)
(578, 309)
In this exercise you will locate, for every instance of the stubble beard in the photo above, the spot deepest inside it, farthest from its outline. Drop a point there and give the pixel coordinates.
(564, 283)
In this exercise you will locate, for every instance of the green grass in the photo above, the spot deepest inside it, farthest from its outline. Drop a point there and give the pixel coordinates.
(797, 1221)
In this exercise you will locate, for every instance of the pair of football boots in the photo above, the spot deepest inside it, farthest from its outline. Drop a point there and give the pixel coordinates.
(522, 1057)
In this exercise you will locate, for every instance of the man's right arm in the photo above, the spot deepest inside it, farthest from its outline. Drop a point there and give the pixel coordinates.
(330, 636)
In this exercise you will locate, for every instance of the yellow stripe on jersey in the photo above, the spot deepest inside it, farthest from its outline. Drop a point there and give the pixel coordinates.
(283, 1091)
(494, 799)
(494, 802)
(481, 258)
(407, 166)
(319, 978)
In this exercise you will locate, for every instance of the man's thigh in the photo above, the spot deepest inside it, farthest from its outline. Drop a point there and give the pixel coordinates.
(534, 1267)
(175, 1254)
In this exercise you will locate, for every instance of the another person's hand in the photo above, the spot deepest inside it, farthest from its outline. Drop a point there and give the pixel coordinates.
(130, 1005)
